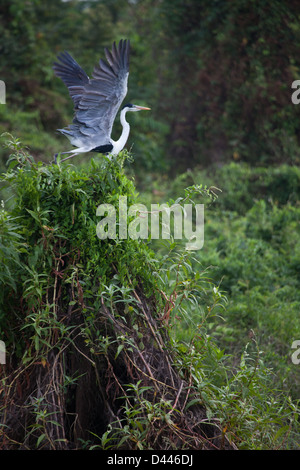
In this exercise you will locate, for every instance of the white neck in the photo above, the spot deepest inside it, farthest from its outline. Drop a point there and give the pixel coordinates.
(120, 144)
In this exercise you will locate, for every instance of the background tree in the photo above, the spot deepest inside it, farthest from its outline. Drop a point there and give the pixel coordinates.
(230, 66)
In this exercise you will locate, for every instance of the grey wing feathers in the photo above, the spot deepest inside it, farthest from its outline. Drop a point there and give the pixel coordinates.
(73, 76)
(98, 99)
(106, 90)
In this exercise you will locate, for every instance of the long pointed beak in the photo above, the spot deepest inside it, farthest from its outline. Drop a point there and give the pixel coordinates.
(142, 108)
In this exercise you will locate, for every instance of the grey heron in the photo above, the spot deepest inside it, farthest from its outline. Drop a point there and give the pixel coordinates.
(97, 101)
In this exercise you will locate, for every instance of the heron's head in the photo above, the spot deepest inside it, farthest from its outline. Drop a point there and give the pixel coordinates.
(134, 107)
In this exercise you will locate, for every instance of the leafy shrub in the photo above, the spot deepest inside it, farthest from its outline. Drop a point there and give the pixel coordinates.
(55, 208)
(251, 252)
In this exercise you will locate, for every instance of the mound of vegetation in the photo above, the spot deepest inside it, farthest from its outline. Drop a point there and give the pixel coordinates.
(88, 354)
(92, 329)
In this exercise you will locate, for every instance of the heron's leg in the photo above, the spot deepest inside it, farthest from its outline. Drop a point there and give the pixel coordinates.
(70, 156)
(63, 153)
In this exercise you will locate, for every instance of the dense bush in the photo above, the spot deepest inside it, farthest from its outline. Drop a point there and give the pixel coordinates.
(252, 248)
(62, 279)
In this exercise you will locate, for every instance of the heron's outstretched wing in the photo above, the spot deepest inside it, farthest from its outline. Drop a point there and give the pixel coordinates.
(98, 99)
(73, 76)
(106, 90)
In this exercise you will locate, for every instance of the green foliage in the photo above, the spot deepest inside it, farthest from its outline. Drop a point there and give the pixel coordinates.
(249, 116)
(252, 392)
(54, 239)
(141, 417)
(56, 211)
(251, 412)
(257, 257)
(49, 26)
(238, 390)
(252, 250)
(10, 247)
(27, 126)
